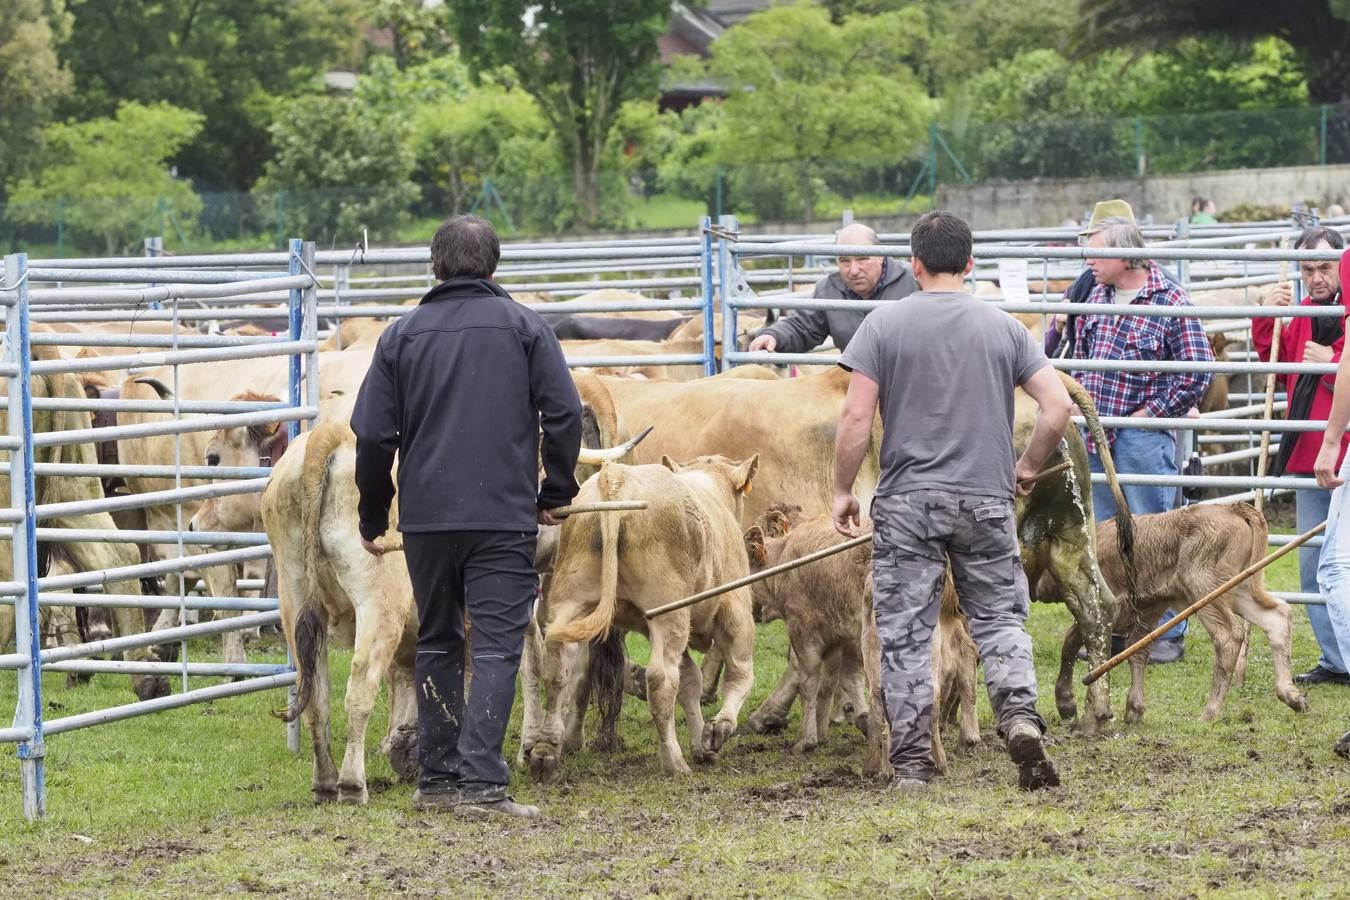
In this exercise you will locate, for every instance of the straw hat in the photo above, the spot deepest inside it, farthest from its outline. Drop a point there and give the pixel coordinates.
(1105, 209)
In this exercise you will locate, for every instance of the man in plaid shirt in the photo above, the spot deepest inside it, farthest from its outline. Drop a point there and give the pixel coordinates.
(1138, 394)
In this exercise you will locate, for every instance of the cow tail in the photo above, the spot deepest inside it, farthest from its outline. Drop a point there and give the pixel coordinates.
(311, 623)
(1256, 521)
(1124, 521)
(610, 483)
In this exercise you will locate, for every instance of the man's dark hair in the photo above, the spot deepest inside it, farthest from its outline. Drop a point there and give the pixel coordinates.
(465, 247)
(1311, 237)
(942, 242)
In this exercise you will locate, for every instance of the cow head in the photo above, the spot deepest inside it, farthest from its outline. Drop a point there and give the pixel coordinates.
(243, 446)
(735, 475)
(764, 545)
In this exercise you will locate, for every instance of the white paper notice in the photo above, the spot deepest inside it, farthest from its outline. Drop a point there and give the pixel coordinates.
(1012, 278)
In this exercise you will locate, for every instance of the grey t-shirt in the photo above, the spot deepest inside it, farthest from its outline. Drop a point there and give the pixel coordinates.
(947, 365)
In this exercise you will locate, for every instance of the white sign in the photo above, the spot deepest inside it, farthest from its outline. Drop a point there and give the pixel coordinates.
(1012, 279)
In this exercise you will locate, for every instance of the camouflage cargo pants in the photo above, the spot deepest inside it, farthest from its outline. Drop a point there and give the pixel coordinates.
(916, 534)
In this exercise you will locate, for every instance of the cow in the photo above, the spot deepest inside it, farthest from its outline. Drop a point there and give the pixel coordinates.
(827, 607)
(1180, 556)
(583, 327)
(88, 556)
(792, 422)
(327, 583)
(579, 351)
(355, 334)
(688, 539)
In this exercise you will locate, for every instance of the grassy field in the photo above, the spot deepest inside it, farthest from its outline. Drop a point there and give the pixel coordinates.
(207, 800)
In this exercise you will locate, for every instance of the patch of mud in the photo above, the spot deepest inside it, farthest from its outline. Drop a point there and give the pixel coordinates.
(807, 786)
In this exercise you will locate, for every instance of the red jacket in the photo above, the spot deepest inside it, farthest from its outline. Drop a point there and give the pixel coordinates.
(1294, 334)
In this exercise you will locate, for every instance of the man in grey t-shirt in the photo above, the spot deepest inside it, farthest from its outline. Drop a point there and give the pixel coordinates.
(944, 365)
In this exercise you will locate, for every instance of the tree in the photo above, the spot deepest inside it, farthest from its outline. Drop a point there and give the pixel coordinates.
(227, 59)
(1319, 30)
(32, 79)
(808, 98)
(111, 178)
(418, 32)
(341, 166)
(580, 59)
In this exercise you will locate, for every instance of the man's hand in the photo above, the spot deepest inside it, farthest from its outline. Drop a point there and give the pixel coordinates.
(845, 512)
(1317, 353)
(546, 517)
(765, 342)
(1023, 473)
(1282, 294)
(1325, 467)
(1140, 413)
(374, 548)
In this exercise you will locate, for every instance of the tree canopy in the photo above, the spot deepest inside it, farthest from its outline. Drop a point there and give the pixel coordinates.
(32, 79)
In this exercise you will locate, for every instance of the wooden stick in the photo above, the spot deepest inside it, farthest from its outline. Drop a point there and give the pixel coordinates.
(1204, 601)
(758, 576)
(1264, 458)
(572, 510)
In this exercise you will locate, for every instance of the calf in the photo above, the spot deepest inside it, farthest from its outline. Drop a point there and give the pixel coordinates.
(1180, 556)
(828, 610)
(686, 541)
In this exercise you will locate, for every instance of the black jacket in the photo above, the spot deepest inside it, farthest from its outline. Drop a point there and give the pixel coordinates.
(460, 388)
(806, 329)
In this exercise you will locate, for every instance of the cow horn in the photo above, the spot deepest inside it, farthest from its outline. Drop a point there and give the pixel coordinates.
(590, 457)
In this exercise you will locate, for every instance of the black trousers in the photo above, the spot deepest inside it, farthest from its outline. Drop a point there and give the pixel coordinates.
(490, 576)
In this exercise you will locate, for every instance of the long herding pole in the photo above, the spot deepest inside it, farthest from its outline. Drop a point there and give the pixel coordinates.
(800, 561)
(1204, 601)
(1264, 458)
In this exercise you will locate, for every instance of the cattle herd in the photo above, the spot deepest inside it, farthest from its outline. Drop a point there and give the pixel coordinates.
(735, 474)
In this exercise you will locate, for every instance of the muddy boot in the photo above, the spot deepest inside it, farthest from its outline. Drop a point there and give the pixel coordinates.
(435, 801)
(906, 784)
(1034, 769)
(504, 806)
(1342, 748)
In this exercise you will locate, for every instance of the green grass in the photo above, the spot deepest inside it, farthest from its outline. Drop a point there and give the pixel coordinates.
(207, 800)
(665, 211)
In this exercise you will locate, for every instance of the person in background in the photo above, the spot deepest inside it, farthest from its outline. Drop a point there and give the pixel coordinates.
(1320, 340)
(858, 278)
(1137, 394)
(1202, 212)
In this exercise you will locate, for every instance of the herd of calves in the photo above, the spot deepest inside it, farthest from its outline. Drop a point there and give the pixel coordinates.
(690, 540)
(602, 572)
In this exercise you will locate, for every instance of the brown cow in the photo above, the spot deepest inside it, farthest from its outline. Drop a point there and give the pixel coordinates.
(1180, 556)
(827, 606)
(687, 540)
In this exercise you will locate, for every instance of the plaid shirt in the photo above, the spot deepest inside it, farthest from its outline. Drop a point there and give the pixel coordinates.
(1161, 394)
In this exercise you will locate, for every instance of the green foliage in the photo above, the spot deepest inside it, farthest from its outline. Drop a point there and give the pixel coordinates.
(809, 102)
(341, 165)
(32, 79)
(418, 33)
(226, 59)
(580, 59)
(110, 176)
(1319, 29)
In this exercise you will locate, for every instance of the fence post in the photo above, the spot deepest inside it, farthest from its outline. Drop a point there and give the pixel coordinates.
(717, 186)
(1322, 141)
(22, 495)
(154, 246)
(706, 271)
(726, 263)
(1140, 160)
(296, 308)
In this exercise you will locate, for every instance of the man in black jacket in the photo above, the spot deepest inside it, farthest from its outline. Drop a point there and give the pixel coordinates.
(460, 388)
(858, 278)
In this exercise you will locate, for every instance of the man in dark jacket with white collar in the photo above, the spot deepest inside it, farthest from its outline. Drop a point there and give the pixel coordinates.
(460, 388)
(858, 278)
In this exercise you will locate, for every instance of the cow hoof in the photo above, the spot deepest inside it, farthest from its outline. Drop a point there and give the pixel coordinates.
(708, 698)
(863, 723)
(403, 754)
(75, 679)
(766, 724)
(1067, 711)
(352, 794)
(324, 795)
(150, 687)
(542, 765)
(801, 748)
(1298, 703)
(1134, 715)
(607, 742)
(679, 768)
(715, 735)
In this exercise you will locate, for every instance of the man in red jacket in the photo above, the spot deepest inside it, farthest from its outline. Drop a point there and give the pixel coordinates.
(1318, 340)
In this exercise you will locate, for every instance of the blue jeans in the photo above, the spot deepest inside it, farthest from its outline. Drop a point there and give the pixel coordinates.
(1139, 451)
(1311, 507)
(1333, 569)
